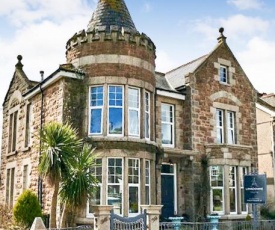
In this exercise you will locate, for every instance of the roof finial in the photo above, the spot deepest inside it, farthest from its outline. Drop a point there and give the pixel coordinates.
(222, 38)
(19, 65)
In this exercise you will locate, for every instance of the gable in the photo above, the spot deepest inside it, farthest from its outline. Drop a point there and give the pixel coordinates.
(19, 82)
(210, 67)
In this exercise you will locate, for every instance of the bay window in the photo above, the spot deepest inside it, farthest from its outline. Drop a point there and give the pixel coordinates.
(243, 172)
(133, 111)
(115, 110)
(115, 184)
(217, 190)
(96, 109)
(167, 125)
(147, 182)
(147, 115)
(96, 170)
(133, 185)
(232, 189)
(226, 193)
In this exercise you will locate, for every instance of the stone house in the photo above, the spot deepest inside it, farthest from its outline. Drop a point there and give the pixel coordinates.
(265, 135)
(183, 139)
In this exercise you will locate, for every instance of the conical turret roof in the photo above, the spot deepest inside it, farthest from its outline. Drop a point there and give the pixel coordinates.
(112, 13)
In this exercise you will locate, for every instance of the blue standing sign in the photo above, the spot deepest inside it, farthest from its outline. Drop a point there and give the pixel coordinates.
(255, 189)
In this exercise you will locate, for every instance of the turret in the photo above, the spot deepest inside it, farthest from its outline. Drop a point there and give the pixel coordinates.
(111, 45)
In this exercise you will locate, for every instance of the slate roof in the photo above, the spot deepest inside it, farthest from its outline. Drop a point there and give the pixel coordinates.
(111, 13)
(176, 76)
(162, 83)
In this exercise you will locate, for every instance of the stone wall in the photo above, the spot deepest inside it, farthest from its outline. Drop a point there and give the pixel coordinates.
(207, 92)
(53, 108)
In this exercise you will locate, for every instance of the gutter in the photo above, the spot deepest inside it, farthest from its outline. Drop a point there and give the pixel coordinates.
(40, 182)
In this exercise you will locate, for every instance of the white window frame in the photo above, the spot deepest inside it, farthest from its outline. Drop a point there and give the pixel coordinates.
(220, 126)
(96, 107)
(147, 181)
(231, 127)
(147, 115)
(217, 188)
(243, 171)
(136, 109)
(134, 185)
(225, 126)
(122, 112)
(233, 187)
(223, 74)
(90, 214)
(121, 183)
(172, 124)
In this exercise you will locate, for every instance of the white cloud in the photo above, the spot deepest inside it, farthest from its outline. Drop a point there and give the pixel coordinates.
(164, 62)
(254, 52)
(246, 4)
(237, 26)
(241, 25)
(257, 60)
(20, 12)
(41, 30)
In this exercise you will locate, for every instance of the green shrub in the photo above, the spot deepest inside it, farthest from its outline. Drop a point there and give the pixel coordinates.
(268, 212)
(26, 209)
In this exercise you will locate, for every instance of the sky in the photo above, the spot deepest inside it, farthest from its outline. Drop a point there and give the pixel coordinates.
(182, 31)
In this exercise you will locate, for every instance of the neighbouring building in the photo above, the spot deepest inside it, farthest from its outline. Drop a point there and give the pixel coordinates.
(183, 139)
(265, 134)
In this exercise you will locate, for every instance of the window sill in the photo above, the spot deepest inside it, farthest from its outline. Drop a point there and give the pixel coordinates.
(11, 153)
(224, 83)
(122, 139)
(26, 149)
(229, 146)
(233, 216)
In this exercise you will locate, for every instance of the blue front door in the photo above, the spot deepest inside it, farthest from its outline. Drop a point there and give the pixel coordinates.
(167, 196)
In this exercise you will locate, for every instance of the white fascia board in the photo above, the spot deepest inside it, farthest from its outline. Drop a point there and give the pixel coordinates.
(51, 81)
(264, 109)
(170, 94)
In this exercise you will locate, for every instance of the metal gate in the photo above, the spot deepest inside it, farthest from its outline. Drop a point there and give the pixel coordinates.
(132, 223)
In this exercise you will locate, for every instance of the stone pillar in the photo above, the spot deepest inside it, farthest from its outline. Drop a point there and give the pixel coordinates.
(102, 215)
(153, 213)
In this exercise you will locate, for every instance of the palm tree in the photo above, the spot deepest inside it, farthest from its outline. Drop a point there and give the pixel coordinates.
(79, 184)
(59, 143)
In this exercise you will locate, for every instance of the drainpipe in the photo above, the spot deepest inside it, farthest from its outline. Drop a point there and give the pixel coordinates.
(40, 182)
(273, 149)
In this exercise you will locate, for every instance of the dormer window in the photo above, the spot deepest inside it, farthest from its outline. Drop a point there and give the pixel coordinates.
(224, 74)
